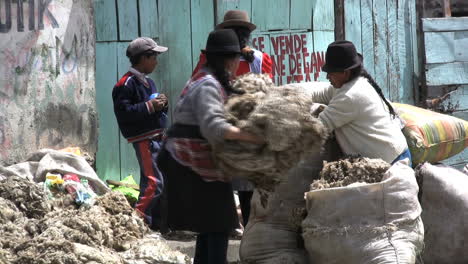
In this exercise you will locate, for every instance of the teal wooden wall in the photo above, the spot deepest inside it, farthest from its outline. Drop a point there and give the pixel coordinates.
(446, 67)
(385, 32)
(295, 33)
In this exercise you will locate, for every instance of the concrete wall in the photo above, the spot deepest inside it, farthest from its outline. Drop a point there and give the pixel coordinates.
(47, 90)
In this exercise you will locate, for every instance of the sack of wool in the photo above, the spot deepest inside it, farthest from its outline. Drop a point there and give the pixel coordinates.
(372, 223)
(280, 115)
(432, 136)
(273, 234)
(444, 199)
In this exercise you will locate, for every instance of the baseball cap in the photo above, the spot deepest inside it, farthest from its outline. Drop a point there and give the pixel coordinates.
(142, 44)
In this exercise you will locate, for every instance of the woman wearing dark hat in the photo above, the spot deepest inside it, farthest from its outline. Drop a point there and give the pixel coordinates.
(363, 120)
(251, 60)
(199, 197)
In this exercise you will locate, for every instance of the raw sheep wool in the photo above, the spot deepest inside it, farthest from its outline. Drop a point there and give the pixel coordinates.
(350, 170)
(278, 114)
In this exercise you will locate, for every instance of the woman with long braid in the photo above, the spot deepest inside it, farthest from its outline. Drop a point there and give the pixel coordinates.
(199, 197)
(363, 120)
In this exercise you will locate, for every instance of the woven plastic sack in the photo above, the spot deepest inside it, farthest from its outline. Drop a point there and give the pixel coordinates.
(273, 234)
(432, 136)
(375, 223)
(444, 201)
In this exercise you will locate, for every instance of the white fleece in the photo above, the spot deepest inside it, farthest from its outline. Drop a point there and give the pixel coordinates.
(360, 118)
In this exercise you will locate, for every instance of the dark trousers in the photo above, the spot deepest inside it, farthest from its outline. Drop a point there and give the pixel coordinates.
(244, 199)
(211, 248)
(151, 181)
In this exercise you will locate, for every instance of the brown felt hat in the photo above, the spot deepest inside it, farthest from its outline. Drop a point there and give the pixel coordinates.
(236, 18)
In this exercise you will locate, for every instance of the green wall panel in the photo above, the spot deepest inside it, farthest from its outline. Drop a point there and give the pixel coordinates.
(324, 15)
(175, 64)
(367, 36)
(405, 51)
(301, 14)
(321, 41)
(381, 45)
(202, 23)
(128, 19)
(148, 10)
(352, 10)
(270, 16)
(107, 157)
(128, 161)
(224, 5)
(393, 64)
(106, 20)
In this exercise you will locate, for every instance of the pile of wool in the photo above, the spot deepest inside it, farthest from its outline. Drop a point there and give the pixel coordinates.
(349, 171)
(278, 114)
(34, 229)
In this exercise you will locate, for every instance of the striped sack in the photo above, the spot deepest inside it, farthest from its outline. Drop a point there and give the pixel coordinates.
(432, 136)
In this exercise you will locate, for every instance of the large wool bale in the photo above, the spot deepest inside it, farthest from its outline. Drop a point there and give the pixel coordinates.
(373, 223)
(281, 115)
(444, 199)
(273, 234)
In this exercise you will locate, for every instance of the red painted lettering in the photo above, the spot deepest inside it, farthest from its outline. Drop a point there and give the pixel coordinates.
(282, 45)
(261, 46)
(304, 43)
(292, 64)
(274, 42)
(297, 44)
(299, 63)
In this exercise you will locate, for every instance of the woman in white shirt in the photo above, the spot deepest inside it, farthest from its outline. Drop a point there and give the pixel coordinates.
(363, 120)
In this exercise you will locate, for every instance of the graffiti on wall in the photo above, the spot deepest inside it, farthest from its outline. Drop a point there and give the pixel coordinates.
(46, 76)
(33, 16)
(293, 57)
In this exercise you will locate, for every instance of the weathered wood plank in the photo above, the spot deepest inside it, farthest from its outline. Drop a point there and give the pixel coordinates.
(202, 17)
(447, 73)
(367, 36)
(301, 14)
(128, 161)
(405, 52)
(416, 38)
(268, 16)
(321, 41)
(353, 24)
(128, 19)
(445, 24)
(339, 20)
(176, 64)
(381, 45)
(106, 20)
(447, 9)
(324, 15)
(444, 47)
(224, 5)
(393, 62)
(148, 10)
(107, 156)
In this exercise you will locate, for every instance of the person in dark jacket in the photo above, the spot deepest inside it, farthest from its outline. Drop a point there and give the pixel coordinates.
(200, 197)
(141, 115)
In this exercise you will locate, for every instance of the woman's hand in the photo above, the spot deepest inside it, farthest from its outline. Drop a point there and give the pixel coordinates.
(235, 133)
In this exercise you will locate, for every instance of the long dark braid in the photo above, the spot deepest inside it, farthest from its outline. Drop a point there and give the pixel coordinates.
(360, 71)
(216, 63)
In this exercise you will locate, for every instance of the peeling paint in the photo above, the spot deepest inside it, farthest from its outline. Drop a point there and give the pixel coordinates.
(44, 73)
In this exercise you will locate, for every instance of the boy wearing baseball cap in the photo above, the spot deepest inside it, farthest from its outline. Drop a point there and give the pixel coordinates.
(141, 114)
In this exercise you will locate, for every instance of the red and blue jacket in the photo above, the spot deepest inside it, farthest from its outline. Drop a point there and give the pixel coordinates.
(136, 117)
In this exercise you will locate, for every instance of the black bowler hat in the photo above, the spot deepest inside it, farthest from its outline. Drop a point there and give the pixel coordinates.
(341, 56)
(222, 41)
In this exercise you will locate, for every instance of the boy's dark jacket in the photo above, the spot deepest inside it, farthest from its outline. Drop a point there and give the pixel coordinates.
(136, 118)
